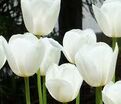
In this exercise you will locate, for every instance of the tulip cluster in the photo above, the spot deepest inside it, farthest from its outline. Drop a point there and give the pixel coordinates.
(89, 60)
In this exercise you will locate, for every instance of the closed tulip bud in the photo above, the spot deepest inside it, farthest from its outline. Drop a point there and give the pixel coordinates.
(63, 82)
(111, 93)
(40, 16)
(23, 54)
(2, 54)
(75, 39)
(96, 63)
(50, 55)
(109, 17)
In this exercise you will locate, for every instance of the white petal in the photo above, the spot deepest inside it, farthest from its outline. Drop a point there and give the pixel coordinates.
(26, 36)
(105, 63)
(103, 21)
(64, 72)
(11, 59)
(48, 15)
(63, 82)
(55, 44)
(87, 69)
(118, 82)
(112, 92)
(94, 63)
(60, 90)
(110, 8)
(60, 47)
(75, 39)
(40, 16)
(49, 55)
(71, 74)
(27, 15)
(105, 97)
(2, 54)
(32, 60)
(25, 49)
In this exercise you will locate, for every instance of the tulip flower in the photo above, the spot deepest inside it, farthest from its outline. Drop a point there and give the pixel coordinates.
(23, 54)
(50, 55)
(75, 39)
(40, 16)
(2, 54)
(96, 63)
(63, 82)
(111, 93)
(108, 17)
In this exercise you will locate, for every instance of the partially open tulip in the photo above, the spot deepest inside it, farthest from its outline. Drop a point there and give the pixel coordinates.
(23, 54)
(111, 93)
(75, 39)
(40, 16)
(96, 63)
(109, 17)
(50, 55)
(2, 54)
(63, 82)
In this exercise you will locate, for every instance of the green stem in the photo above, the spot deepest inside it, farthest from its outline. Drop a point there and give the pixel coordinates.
(39, 87)
(78, 99)
(44, 92)
(65, 103)
(27, 90)
(99, 95)
(114, 40)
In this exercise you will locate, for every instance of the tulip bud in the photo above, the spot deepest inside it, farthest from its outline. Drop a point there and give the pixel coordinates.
(63, 82)
(96, 63)
(108, 17)
(40, 16)
(111, 93)
(23, 54)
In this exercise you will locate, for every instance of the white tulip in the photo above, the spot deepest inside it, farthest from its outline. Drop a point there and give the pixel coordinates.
(111, 93)
(63, 82)
(23, 54)
(40, 16)
(50, 55)
(109, 17)
(75, 39)
(2, 54)
(96, 63)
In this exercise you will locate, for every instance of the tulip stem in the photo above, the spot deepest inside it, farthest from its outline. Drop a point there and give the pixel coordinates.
(27, 90)
(99, 95)
(44, 92)
(39, 87)
(65, 103)
(114, 40)
(78, 99)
